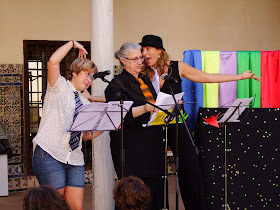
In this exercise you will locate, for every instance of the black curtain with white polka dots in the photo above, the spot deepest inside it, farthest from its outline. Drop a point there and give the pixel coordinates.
(240, 162)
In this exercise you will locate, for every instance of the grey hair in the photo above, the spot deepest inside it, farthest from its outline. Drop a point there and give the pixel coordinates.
(121, 53)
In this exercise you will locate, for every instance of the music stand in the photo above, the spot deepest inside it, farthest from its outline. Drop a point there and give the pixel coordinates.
(235, 110)
(161, 118)
(100, 116)
(232, 115)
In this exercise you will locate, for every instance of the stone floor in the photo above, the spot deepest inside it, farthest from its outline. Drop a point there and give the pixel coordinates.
(14, 200)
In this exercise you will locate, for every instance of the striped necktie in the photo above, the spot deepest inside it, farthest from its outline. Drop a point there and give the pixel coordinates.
(146, 91)
(155, 81)
(75, 135)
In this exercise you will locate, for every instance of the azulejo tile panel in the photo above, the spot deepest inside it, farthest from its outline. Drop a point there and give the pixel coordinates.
(10, 95)
(10, 114)
(11, 79)
(22, 183)
(15, 159)
(15, 171)
(12, 111)
(11, 68)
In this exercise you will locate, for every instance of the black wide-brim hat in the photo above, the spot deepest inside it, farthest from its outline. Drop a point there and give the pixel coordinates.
(153, 41)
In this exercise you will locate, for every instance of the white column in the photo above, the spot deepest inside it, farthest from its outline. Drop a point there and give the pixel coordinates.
(102, 55)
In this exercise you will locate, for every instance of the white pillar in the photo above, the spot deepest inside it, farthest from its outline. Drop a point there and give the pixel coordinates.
(102, 55)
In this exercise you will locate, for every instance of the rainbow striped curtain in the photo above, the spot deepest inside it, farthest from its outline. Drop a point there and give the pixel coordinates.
(265, 64)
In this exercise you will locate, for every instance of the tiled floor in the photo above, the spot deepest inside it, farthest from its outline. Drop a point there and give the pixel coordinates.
(14, 200)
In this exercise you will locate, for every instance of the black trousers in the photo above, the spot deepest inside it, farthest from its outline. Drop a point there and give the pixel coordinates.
(189, 173)
(144, 158)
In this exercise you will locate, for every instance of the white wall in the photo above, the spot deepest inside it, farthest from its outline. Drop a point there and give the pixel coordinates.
(40, 20)
(183, 24)
(200, 24)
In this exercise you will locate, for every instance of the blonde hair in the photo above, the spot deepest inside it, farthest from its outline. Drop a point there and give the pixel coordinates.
(162, 62)
(79, 65)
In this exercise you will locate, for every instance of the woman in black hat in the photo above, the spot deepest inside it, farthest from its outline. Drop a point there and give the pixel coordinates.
(156, 63)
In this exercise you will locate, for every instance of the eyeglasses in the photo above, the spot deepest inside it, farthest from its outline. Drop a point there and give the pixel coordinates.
(135, 60)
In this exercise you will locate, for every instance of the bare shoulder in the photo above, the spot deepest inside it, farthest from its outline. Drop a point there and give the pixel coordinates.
(182, 64)
(184, 68)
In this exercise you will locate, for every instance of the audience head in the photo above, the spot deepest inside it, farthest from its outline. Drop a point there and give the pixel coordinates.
(132, 194)
(44, 197)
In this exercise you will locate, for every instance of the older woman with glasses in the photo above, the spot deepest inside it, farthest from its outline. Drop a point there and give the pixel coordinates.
(143, 146)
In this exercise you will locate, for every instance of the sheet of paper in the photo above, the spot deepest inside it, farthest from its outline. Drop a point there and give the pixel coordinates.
(112, 118)
(164, 101)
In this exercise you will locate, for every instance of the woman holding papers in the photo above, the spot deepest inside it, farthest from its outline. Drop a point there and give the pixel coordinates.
(157, 63)
(143, 146)
(58, 160)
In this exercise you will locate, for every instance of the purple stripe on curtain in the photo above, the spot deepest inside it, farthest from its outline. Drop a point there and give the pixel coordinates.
(227, 90)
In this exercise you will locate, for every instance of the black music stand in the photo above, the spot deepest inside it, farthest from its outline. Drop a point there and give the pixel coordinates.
(122, 92)
(165, 101)
(100, 116)
(178, 113)
(232, 115)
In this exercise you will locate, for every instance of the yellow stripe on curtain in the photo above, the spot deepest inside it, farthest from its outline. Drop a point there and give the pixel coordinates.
(210, 64)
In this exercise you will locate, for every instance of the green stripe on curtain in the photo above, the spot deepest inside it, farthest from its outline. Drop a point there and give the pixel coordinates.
(210, 64)
(249, 60)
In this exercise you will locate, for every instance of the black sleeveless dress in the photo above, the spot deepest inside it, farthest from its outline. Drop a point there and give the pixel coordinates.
(190, 178)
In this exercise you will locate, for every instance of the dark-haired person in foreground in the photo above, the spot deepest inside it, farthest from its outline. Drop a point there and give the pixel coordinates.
(132, 193)
(44, 197)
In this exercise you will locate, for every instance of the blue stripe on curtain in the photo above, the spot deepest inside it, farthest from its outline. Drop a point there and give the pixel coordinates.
(192, 89)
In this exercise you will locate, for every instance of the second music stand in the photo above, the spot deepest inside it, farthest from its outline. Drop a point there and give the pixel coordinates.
(232, 115)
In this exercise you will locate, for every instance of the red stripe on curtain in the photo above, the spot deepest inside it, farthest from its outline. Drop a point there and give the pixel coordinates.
(270, 94)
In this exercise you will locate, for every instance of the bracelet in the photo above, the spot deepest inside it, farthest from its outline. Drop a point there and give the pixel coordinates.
(74, 46)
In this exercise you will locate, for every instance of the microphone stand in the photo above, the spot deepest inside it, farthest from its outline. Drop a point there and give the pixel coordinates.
(177, 113)
(120, 96)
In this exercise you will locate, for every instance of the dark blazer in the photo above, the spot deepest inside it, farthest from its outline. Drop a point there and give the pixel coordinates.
(144, 148)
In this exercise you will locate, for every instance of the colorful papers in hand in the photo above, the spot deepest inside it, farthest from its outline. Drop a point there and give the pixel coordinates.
(166, 102)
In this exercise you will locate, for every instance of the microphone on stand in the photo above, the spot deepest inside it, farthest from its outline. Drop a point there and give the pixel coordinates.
(100, 75)
(169, 78)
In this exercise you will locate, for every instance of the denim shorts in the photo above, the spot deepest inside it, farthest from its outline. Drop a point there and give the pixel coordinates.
(51, 172)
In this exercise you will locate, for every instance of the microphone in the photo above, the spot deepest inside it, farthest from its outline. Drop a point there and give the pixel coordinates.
(169, 78)
(100, 75)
